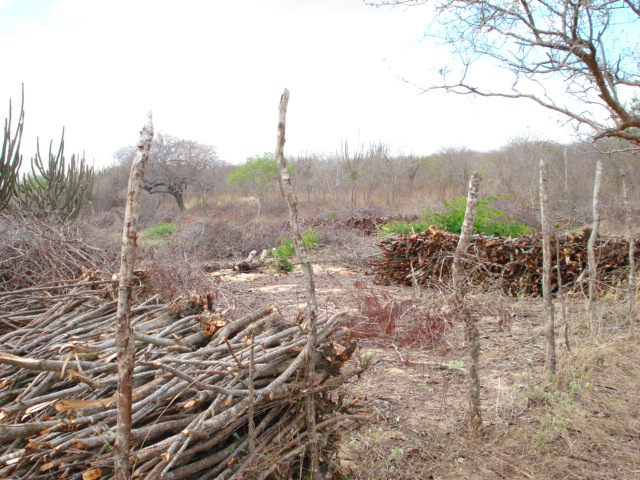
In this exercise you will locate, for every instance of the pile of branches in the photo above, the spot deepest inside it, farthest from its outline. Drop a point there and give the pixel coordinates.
(213, 397)
(513, 265)
(35, 250)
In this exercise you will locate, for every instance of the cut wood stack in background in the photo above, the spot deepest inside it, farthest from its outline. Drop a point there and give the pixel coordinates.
(513, 265)
(196, 388)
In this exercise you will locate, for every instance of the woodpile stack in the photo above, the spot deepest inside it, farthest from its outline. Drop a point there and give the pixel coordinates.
(213, 398)
(513, 265)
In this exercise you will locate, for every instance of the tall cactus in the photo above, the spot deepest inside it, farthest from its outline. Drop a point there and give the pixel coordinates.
(56, 187)
(11, 159)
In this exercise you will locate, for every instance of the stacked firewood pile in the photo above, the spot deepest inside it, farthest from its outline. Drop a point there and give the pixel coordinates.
(213, 397)
(367, 225)
(514, 265)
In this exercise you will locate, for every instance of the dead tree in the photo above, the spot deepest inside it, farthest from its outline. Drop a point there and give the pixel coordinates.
(631, 227)
(124, 341)
(547, 255)
(310, 289)
(472, 336)
(592, 261)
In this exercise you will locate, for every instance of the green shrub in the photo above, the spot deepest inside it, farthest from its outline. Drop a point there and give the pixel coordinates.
(161, 229)
(286, 251)
(489, 220)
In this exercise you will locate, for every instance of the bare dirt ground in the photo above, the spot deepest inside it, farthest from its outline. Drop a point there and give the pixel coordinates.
(584, 425)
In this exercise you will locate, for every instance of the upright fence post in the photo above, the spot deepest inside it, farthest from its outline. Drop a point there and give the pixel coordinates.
(125, 343)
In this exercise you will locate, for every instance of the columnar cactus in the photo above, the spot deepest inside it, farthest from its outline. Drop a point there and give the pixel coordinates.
(56, 187)
(11, 159)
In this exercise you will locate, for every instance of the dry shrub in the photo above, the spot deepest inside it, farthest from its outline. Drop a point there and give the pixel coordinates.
(384, 321)
(225, 237)
(40, 251)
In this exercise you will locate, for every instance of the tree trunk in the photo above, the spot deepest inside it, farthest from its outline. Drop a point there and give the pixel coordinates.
(310, 289)
(591, 252)
(631, 227)
(125, 344)
(179, 200)
(547, 255)
(472, 336)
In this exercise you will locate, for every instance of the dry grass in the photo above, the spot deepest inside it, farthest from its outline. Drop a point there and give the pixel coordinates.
(585, 425)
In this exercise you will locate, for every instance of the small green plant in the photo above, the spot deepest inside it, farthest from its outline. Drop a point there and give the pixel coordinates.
(456, 365)
(286, 251)
(161, 229)
(405, 228)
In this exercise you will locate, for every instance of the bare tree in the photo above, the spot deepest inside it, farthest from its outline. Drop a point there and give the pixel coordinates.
(125, 344)
(547, 255)
(176, 164)
(351, 165)
(631, 227)
(577, 58)
(592, 261)
(310, 289)
(472, 336)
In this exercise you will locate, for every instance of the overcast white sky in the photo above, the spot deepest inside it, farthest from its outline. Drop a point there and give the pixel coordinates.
(213, 71)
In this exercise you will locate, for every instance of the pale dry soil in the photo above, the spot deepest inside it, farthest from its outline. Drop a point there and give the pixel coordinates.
(585, 425)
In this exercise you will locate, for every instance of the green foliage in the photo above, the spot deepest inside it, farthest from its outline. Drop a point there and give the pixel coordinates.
(405, 228)
(286, 251)
(10, 159)
(257, 175)
(489, 220)
(160, 229)
(56, 187)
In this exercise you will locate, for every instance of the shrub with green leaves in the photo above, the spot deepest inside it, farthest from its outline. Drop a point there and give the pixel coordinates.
(161, 229)
(286, 251)
(489, 220)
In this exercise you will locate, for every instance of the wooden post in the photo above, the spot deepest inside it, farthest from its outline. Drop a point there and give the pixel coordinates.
(547, 255)
(592, 261)
(472, 336)
(310, 289)
(631, 228)
(125, 344)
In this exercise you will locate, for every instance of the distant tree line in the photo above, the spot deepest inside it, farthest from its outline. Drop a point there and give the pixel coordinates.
(374, 179)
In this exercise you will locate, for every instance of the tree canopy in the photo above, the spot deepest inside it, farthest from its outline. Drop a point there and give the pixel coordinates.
(256, 177)
(175, 164)
(579, 58)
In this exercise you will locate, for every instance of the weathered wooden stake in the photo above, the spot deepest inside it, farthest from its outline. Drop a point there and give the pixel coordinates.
(472, 336)
(592, 261)
(631, 229)
(547, 255)
(125, 344)
(310, 289)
